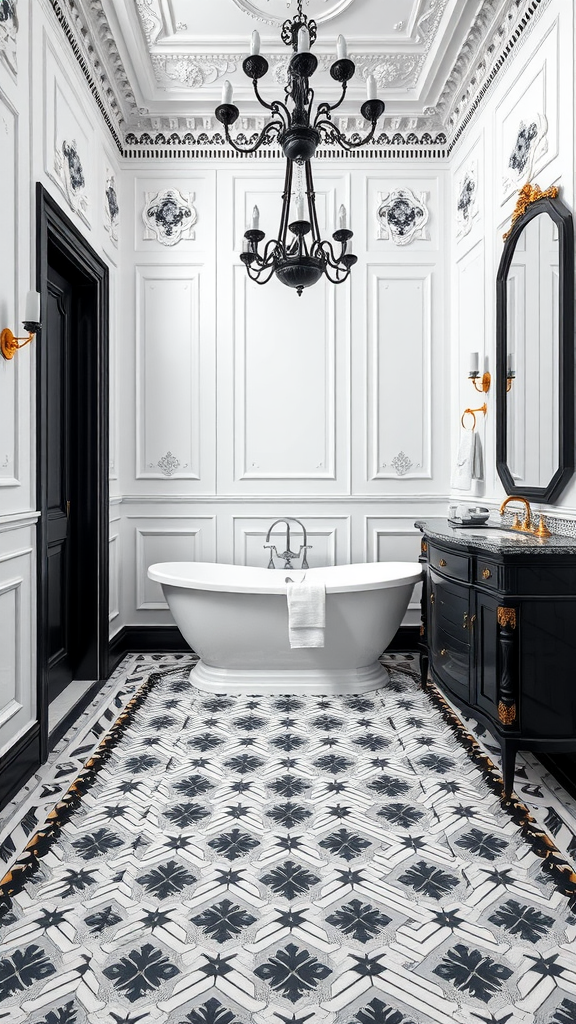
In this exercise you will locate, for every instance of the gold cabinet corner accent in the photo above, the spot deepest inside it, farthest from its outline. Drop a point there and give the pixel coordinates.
(506, 713)
(486, 574)
(442, 562)
(529, 194)
(506, 617)
(424, 547)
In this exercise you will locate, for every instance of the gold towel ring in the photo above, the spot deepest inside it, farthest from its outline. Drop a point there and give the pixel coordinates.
(468, 412)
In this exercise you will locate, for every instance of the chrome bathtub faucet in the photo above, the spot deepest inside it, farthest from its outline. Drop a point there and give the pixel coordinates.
(288, 555)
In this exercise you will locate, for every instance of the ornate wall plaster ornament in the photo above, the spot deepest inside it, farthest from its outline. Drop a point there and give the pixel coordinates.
(111, 208)
(399, 69)
(191, 71)
(169, 215)
(8, 32)
(467, 200)
(402, 216)
(529, 143)
(168, 464)
(70, 172)
(401, 464)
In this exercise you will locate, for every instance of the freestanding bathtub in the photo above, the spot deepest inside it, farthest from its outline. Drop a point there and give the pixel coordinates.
(236, 619)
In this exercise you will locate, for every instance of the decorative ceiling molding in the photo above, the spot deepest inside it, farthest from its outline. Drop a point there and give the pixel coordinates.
(8, 33)
(498, 30)
(319, 10)
(151, 19)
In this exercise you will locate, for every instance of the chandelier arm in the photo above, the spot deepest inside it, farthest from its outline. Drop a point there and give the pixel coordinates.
(326, 108)
(337, 280)
(327, 251)
(277, 107)
(265, 135)
(334, 133)
(255, 275)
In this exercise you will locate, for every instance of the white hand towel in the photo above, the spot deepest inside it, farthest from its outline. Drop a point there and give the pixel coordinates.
(478, 465)
(462, 475)
(306, 614)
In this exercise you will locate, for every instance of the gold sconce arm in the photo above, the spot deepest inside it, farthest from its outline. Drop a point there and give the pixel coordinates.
(9, 343)
(485, 381)
(509, 380)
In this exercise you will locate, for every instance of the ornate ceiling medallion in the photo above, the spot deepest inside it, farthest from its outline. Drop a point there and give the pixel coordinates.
(273, 12)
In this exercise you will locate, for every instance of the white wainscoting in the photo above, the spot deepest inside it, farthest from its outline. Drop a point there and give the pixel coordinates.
(329, 535)
(17, 619)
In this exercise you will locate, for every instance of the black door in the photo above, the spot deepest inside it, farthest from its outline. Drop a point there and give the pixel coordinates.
(61, 429)
(72, 410)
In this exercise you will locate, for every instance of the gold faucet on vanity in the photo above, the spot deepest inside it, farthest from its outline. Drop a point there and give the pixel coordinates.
(526, 525)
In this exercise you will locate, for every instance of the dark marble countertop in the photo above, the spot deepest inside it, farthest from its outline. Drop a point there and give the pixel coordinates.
(495, 539)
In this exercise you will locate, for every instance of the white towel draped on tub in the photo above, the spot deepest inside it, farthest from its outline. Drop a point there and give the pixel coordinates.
(306, 614)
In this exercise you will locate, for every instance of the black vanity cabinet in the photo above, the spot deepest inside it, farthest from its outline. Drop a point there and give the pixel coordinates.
(499, 634)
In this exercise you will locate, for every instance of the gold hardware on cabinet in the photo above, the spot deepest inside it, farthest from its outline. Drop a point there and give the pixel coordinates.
(424, 547)
(442, 562)
(443, 652)
(506, 713)
(472, 621)
(422, 631)
(431, 598)
(486, 574)
(506, 617)
(465, 621)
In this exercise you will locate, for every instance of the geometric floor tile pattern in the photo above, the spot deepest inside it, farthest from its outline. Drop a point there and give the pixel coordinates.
(339, 860)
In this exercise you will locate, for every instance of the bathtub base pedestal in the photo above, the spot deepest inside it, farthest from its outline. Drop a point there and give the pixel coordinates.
(309, 680)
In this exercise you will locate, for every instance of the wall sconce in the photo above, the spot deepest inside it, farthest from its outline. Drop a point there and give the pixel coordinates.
(510, 372)
(474, 375)
(31, 323)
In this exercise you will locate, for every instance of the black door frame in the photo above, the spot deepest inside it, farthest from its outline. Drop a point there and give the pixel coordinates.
(55, 229)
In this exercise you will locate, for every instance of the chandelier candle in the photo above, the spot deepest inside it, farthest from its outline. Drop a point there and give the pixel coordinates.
(301, 258)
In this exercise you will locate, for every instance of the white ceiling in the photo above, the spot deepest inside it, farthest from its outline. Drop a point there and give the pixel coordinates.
(166, 60)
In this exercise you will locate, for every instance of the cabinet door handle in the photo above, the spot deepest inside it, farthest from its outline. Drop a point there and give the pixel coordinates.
(472, 621)
(442, 562)
(431, 598)
(465, 621)
(486, 574)
(443, 652)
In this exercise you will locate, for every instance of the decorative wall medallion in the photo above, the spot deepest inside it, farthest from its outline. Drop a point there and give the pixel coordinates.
(401, 464)
(466, 203)
(69, 168)
(402, 216)
(274, 12)
(8, 32)
(168, 464)
(111, 208)
(529, 143)
(192, 71)
(169, 215)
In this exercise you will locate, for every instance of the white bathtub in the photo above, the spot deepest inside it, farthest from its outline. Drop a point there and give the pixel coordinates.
(236, 619)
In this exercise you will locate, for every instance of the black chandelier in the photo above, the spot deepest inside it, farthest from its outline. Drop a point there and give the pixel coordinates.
(295, 259)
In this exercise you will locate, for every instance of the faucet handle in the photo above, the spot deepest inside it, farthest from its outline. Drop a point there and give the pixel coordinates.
(272, 548)
(303, 549)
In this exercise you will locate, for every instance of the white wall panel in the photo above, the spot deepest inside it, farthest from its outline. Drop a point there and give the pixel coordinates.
(114, 577)
(395, 539)
(168, 539)
(17, 696)
(169, 400)
(398, 412)
(10, 314)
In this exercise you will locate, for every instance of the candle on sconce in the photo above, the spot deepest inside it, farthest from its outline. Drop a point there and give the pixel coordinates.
(245, 245)
(255, 219)
(474, 363)
(227, 92)
(510, 364)
(255, 44)
(303, 40)
(371, 87)
(342, 218)
(32, 308)
(341, 48)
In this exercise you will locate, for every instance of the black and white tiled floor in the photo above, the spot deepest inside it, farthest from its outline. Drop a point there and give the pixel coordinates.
(337, 860)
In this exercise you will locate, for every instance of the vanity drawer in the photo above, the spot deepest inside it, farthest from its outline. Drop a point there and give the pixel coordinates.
(450, 564)
(451, 662)
(450, 607)
(489, 574)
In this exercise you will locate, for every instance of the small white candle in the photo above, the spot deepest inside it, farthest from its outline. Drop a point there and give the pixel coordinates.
(342, 218)
(371, 87)
(226, 92)
(255, 219)
(474, 362)
(510, 365)
(255, 45)
(341, 48)
(32, 308)
(245, 245)
(303, 40)
(300, 208)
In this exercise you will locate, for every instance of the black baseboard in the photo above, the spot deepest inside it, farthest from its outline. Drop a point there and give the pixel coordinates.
(169, 640)
(19, 763)
(73, 714)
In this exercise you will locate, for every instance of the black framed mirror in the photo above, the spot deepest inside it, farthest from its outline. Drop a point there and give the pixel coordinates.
(535, 352)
